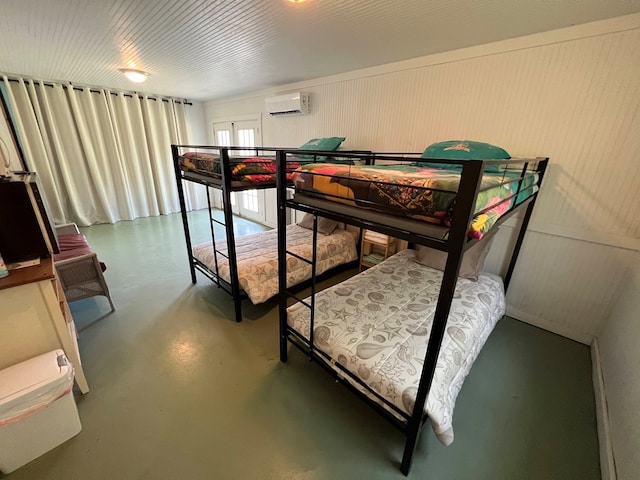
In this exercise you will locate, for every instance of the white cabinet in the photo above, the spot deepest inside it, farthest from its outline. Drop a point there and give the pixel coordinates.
(35, 318)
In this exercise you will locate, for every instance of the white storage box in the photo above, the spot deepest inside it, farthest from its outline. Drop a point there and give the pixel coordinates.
(37, 409)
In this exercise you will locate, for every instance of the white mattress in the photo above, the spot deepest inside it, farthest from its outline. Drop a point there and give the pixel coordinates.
(257, 258)
(377, 324)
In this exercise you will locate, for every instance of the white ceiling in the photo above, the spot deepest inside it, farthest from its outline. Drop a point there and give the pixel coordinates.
(200, 50)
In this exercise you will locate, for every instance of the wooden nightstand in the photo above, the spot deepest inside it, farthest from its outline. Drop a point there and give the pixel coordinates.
(375, 248)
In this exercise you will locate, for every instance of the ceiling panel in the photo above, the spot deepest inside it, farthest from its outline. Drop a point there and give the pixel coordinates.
(211, 49)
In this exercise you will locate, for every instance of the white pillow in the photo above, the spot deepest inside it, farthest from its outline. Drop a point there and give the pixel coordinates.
(325, 225)
(472, 261)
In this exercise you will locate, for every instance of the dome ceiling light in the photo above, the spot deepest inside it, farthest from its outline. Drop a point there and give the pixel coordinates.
(137, 76)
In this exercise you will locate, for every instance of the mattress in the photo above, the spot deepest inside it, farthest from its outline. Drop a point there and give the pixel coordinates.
(257, 258)
(415, 191)
(377, 324)
(244, 170)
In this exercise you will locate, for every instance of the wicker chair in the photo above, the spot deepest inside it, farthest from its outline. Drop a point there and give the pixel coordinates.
(78, 268)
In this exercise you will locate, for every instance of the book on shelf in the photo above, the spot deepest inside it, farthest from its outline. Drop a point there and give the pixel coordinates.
(373, 258)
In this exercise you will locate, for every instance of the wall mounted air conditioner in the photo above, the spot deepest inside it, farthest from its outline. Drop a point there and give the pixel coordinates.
(296, 103)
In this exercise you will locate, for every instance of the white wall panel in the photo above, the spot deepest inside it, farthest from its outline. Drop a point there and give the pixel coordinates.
(574, 98)
(617, 345)
(566, 285)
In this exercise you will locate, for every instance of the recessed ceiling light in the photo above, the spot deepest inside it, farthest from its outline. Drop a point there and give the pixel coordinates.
(137, 76)
(297, 1)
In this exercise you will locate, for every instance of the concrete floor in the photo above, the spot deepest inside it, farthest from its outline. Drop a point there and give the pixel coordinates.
(180, 391)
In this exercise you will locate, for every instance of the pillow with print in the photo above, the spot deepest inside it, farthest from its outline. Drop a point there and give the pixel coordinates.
(464, 150)
(472, 261)
(323, 144)
(326, 226)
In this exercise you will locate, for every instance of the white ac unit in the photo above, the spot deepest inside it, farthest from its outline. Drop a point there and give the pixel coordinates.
(288, 104)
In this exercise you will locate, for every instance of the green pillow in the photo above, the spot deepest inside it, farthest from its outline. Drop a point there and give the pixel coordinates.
(323, 144)
(465, 150)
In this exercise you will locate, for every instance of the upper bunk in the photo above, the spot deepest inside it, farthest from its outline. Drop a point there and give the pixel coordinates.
(419, 200)
(243, 168)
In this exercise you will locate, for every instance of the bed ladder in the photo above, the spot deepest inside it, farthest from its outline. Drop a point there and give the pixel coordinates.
(283, 265)
(281, 191)
(234, 285)
(230, 231)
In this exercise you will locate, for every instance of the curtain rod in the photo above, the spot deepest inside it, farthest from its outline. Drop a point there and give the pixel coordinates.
(98, 89)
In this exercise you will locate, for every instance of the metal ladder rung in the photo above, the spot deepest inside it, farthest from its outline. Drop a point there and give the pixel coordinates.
(298, 299)
(220, 253)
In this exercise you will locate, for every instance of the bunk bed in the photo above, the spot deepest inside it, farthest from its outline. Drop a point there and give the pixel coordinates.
(402, 334)
(231, 263)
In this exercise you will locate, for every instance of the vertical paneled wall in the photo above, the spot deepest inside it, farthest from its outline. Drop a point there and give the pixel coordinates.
(576, 100)
(620, 365)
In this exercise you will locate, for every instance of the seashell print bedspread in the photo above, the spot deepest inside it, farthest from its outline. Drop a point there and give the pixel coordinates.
(377, 324)
(257, 258)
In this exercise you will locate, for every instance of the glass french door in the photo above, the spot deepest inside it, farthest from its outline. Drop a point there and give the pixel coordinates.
(246, 133)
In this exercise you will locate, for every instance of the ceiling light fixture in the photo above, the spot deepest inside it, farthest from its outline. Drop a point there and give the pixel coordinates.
(137, 76)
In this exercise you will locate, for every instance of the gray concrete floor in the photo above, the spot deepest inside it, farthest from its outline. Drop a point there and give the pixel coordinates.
(180, 391)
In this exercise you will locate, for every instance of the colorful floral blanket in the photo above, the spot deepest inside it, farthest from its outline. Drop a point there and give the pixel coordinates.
(415, 191)
(243, 169)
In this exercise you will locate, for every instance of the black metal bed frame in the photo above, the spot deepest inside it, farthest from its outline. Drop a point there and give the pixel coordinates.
(455, 243)
(224, 182)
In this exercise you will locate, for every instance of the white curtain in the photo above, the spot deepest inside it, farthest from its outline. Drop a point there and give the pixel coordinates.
(101, 156)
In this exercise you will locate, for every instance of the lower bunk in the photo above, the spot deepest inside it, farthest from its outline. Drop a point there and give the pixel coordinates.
(372, 330)
(257, 258)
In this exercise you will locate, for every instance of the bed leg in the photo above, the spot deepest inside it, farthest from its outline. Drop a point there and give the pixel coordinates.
(237, 303)
(193, 272)
(284, 356)
(409, 450)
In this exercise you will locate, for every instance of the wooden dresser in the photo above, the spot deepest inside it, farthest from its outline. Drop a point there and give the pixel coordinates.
(35, 318)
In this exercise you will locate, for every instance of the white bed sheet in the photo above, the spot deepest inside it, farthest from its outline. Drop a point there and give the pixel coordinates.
(257, 258)
(377, 325)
